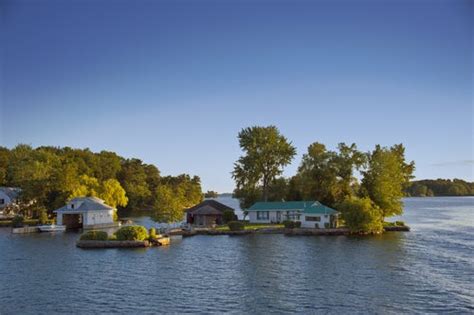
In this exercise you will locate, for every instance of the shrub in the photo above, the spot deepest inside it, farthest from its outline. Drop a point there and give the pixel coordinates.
(291, 224)
(152, 233)
(132, 233)
(95, 236)
(42, 217)
(236, 226)
(228, 216)
(399, 223)
(361, 215)
(112, 237)
(327, 225)
(17, 221)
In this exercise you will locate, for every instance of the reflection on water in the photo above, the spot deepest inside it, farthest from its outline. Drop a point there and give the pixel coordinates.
(427, 270)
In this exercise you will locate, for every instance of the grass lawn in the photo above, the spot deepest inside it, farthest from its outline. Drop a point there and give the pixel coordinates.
(252, 226)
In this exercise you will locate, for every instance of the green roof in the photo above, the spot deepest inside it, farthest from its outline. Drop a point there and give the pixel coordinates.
(303, 206)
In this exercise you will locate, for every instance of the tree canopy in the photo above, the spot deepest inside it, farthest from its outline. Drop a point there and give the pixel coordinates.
(50, 176)
(266, 152)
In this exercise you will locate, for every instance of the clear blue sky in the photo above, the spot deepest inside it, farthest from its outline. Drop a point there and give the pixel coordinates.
(173, 82)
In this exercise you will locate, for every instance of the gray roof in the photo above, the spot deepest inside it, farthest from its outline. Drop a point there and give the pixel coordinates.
(88, 204)
(11, 192)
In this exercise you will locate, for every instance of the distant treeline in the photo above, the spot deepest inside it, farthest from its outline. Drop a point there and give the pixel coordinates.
(52, 175)
(440, 187)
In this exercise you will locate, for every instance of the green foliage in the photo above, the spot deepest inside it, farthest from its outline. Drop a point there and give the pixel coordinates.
(361, 215)
(112, 237)
(52, 175)
(17, 221)
(236, 226)
(327, 176)
(440, 187)
(288, 224)
(152, 233)
(211, 194)
(386, 177)
(132, 233)
(42, 216)
(95, 236)
(174, 195)
(266, 153)
(228, 216)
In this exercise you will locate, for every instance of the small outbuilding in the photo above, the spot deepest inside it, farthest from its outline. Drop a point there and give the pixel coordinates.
(86, 213)
(207, 213)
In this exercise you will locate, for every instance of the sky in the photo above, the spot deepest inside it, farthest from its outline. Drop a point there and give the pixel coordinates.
(173, 82)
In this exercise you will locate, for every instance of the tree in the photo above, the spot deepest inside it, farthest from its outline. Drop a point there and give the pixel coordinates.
(133, 179)
(386, 177)
(326, 175)
(266, 153)
(168, 204)
(113, 194)
(86, 186)
(361, 215)
(211, 194)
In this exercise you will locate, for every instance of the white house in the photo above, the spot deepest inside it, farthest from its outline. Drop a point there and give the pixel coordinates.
(311, 214)
(8, 195)
(86, 213)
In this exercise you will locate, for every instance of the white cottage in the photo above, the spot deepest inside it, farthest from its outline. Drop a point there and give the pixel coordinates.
(86, 212)
(8, 195)
(311, 214)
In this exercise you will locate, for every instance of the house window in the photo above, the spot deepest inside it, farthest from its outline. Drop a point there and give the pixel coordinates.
(263, 215)
(72, 206)
(2, 201)
(292, 215)
(314, 219)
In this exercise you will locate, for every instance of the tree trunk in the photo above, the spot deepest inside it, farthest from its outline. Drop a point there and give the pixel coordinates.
(265, 188)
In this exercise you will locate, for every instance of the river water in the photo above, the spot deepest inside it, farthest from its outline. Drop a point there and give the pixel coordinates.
(427, 270)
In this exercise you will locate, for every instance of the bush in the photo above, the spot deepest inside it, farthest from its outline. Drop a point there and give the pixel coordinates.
(327, 225)
(361, 215)
(17, 221)
(228, 216)
(152, 233)
(236, 226)
(95, 236)
(112, 237)
(42, 217)
(132, 233)
(399, 223)
(291, 224)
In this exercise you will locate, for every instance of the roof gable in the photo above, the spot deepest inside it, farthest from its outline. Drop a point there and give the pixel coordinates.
(210, 203)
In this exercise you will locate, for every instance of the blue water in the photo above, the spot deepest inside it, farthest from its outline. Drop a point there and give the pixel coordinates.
(428, 270)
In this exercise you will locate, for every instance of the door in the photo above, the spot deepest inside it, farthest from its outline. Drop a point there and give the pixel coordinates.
(278, 216)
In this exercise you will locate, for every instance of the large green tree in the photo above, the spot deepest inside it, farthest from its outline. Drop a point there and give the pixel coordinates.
(266, 152)
(386, 177)
(327, 176)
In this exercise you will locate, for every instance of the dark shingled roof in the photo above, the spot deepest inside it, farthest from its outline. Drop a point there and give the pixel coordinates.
(209, 206)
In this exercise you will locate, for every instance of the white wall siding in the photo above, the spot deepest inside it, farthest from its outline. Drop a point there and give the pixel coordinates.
(312, 224)
(6, 199)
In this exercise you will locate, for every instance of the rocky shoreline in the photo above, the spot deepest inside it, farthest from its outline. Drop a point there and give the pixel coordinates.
(288, 232)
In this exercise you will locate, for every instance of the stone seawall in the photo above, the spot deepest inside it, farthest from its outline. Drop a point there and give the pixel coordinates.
(289, 232)
(112, 244)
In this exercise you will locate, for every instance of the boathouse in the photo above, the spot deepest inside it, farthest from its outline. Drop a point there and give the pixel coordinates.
(311, 214)
(86, 213)
(207, 213)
